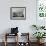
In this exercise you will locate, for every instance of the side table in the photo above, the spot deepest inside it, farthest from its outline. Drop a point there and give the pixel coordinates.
(8, 34)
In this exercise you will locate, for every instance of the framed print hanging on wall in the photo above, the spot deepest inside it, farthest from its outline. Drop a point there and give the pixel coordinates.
(18, 13)
(41, 12)
(41, 8)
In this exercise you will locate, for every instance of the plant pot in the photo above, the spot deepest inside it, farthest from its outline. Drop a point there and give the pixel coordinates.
(40, 40)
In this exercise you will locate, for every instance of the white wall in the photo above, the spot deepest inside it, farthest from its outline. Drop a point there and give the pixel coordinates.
(24, 25)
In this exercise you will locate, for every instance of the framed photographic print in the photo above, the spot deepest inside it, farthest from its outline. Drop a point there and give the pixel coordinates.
(41, 8)
(41, 12)
(18, 13)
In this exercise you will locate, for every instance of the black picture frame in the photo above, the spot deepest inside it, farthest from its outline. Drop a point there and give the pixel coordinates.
(18, 13)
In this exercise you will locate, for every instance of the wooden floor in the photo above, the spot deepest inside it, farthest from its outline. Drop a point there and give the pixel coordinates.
(13, 44)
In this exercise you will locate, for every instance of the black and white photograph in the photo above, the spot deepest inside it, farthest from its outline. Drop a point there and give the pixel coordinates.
(18, 13)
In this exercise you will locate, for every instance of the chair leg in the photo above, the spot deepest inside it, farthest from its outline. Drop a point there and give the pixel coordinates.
(5, 43)
(5, 39)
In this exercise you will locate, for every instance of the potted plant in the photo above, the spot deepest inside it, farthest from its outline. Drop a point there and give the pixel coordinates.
(38, 27)
(39, 35)
(35, 26)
